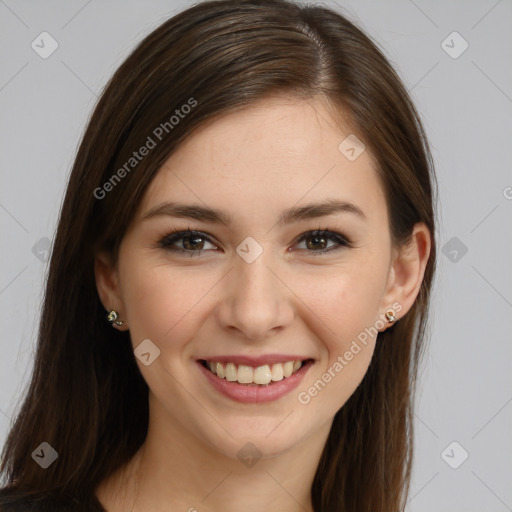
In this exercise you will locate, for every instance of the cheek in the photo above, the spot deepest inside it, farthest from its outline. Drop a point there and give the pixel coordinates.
(162, 303)
(347, 302)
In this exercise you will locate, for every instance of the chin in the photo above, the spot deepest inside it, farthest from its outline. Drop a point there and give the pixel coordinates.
(258, 437)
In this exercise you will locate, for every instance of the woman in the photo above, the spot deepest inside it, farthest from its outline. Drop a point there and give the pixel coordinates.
(239, 285)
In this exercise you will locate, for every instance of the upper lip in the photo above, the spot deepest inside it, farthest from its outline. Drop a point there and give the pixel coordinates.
(255, 360)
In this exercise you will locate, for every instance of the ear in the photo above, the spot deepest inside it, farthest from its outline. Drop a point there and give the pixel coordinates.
(107, 284)
(407, 271)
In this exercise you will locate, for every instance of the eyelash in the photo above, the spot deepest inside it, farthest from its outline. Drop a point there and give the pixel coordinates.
(167, 241)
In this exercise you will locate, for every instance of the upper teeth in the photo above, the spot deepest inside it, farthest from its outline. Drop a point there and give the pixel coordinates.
(249, 375)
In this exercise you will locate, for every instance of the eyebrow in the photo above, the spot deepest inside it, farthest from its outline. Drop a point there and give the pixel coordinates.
(288, 216)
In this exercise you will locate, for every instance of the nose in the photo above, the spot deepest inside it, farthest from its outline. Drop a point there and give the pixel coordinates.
(256, 302)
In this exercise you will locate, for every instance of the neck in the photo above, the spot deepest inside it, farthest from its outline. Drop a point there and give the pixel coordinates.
(181, 470)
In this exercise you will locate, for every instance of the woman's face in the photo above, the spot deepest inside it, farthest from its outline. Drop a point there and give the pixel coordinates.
(255, 288)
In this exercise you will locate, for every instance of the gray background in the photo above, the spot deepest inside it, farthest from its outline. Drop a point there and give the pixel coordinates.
(466, 103)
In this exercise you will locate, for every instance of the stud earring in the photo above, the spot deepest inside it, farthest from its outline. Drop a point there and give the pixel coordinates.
(390, 316)
(113, 317)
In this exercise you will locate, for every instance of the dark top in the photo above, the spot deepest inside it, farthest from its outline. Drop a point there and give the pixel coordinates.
(50, 505)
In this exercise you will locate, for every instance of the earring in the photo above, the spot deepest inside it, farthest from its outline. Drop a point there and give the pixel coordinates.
(390, 316)
(113, 317)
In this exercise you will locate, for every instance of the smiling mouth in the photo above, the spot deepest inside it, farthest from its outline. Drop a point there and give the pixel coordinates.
(254, 376)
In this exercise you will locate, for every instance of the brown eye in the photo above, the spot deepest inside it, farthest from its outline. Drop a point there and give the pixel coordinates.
(191, 242)
(317, 242)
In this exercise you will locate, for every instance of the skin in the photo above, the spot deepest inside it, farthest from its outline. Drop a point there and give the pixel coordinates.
(252, 164)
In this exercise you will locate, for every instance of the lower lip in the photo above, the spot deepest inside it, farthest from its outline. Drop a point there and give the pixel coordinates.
(256, 394)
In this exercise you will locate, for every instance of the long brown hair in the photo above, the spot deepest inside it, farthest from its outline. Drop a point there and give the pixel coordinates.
(86, 397)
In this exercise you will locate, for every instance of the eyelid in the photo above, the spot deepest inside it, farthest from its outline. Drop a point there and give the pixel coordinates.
(329, 234)
(174, 236)
(340, 243)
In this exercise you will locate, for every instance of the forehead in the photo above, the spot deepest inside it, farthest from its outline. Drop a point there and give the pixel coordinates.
(266, 157)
